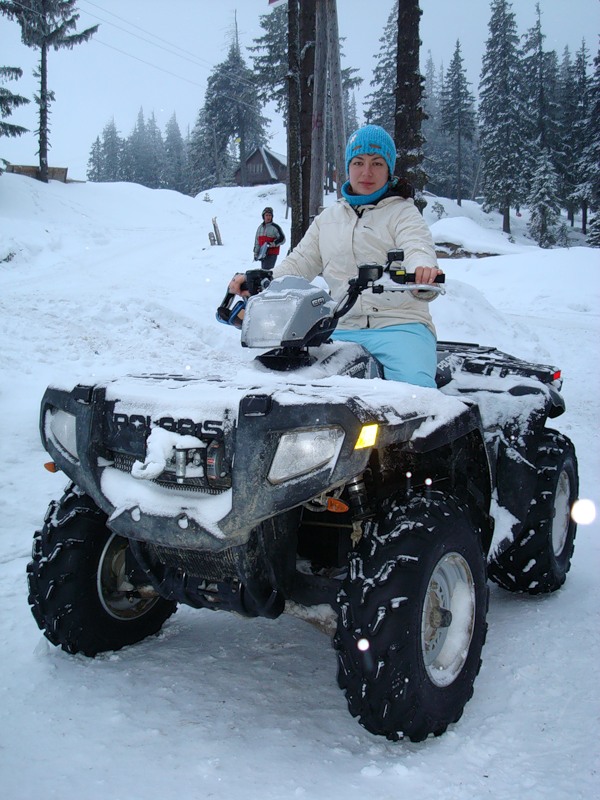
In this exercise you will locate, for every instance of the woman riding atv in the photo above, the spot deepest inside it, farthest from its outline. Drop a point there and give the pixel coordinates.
(375, 214)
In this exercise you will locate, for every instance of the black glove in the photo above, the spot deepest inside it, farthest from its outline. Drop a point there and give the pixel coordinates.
(257, 280)
(229, 311)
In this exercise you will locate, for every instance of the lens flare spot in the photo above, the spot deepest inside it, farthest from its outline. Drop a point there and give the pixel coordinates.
(363, 645)
(584, 511)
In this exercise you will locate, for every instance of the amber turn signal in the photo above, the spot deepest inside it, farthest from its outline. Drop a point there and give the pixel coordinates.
(337, 506)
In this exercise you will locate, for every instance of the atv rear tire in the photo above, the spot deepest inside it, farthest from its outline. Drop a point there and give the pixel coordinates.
(78, 590)
(539, 559)
(412, 619)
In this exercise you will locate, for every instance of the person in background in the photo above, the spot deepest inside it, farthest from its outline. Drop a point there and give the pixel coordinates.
(269, 237)
(375, 214)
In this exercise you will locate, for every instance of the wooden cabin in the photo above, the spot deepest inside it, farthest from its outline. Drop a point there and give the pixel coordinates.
(263, 166)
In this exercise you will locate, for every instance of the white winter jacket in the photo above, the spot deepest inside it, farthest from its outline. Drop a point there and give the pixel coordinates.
(341, 238)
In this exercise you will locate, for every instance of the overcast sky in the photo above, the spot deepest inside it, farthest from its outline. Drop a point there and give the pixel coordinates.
(158, 56)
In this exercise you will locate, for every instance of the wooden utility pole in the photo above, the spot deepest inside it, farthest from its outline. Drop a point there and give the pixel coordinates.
(307, 105)
(294, 149)
(337, 104)
(307, 69)
(317, 150)
(409, 91)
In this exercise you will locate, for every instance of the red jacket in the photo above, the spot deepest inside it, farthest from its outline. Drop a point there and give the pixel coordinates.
(270, 232)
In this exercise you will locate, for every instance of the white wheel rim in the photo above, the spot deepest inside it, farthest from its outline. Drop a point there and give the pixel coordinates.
(562, 513)
(120, 604)
(448, 619)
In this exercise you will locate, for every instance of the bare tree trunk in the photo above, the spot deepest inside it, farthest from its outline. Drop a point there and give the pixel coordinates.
(317, 149)
(409, 90)
(307, 68)
(459, 168)
(243, 149)
(216, 156)
(337, 95)
(294, 150)
(43, 115)
(476, 181)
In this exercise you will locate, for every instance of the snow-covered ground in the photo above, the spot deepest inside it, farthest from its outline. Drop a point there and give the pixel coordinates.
(101, 280)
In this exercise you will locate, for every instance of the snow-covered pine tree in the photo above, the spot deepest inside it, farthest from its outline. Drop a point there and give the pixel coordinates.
(46, 24)
(545, 226)
(501, 115)
(458, 115)
(270, 65)
(94, 164)
(436, 147)
(430, 125)
(380, 104)
(539, 92)
(135, 159)
(582, 134)
(106, 156)
(567, 156)
(111, 153)
(232, 115)
(350, 111)
(8, 102)
(592, 154)
(155, 165)
(206, 162)
(593, 237)
(176, 160)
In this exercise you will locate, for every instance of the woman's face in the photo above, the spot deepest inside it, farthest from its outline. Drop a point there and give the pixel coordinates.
(368, 174)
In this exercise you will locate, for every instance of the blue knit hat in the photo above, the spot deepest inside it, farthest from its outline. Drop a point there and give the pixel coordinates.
(371, 140)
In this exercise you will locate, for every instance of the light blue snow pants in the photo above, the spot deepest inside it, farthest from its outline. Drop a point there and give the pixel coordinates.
(407, 352)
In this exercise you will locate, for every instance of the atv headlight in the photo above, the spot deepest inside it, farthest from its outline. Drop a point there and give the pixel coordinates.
(266, 321)
(301, 452)
(60, 430)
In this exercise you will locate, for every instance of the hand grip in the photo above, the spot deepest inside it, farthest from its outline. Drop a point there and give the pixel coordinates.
(399, 276)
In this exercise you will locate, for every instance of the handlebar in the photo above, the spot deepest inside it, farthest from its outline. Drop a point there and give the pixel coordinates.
(407, 284)
(409, 277)
(257, 280)
(369, 273)
(232, 306)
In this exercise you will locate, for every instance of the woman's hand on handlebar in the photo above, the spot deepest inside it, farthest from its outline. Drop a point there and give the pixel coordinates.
(426, 274)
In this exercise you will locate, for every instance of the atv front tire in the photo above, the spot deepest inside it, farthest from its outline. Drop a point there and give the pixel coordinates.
(79, 592)
(539, 559)
(412, 619)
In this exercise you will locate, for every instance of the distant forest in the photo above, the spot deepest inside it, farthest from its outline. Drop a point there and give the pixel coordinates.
(528, 136)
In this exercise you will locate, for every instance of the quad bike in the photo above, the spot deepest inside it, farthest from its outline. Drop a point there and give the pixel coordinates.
(308, 480)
